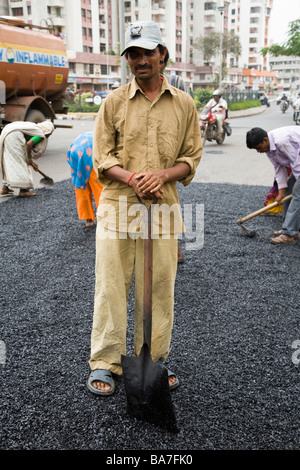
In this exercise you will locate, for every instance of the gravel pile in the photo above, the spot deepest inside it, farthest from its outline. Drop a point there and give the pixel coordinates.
(236, 317)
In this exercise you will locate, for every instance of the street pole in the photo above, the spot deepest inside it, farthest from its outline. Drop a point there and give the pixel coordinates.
(221, 9)
(107, 58)
(122, 38)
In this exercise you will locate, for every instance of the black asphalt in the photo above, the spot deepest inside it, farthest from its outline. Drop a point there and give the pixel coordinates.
(237, 316)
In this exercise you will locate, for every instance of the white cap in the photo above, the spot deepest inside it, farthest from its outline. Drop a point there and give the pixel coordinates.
(144, 34)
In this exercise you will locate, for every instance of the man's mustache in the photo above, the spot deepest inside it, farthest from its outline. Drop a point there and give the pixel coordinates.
(143, 67)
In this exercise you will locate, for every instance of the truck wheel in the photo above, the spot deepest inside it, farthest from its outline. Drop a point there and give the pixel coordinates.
(34, 115)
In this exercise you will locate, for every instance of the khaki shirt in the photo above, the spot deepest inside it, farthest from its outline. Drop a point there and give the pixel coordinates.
(138, 135)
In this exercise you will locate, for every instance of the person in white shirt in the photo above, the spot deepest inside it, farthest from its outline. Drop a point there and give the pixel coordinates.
(296, 103)
(219, 106)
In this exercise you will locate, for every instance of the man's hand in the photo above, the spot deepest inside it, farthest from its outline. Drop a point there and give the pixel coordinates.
(148, 185)
(281, 194)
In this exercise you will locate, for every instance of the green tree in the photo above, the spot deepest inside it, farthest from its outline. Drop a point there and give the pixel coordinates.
(210, 45)
(201, 96)
(291, 47)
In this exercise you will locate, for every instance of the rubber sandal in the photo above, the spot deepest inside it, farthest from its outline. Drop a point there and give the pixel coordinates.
(282, 240)
(170, 374)
(6, 191)
(27, 194)
(103, 376)
(279, 232)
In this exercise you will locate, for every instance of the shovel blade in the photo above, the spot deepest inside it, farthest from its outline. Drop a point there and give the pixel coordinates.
(147, 390)
(47, 182)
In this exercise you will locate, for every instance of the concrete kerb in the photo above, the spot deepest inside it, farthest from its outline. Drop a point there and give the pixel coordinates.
(231, 114)
(246, 112)
(77, 116)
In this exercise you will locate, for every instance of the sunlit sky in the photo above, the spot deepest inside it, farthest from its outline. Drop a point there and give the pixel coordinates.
(283, 12)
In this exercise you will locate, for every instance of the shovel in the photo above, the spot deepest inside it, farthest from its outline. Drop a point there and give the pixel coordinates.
(260, 211)
(47, 181)
(146, 382)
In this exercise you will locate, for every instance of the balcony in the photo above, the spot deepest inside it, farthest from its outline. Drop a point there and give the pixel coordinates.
(58, 20)
(56, 3)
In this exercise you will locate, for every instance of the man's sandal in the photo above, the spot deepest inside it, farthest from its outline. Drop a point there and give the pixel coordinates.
(101, 375)
(170, 374)
(279, 232)
(282, 240)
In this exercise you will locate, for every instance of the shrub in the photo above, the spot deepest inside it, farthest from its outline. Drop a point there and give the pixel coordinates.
(238, 106)
(201, 96)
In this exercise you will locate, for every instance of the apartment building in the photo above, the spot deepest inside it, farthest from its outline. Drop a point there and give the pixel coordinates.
(91, 32)
(249, 19)
(288, 71)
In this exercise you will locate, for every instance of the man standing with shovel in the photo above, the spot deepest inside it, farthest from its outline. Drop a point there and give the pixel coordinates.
(146, 138)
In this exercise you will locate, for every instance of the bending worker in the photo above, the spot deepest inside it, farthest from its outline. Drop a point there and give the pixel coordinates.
(282, 147)
(20, 142)
(84, 177)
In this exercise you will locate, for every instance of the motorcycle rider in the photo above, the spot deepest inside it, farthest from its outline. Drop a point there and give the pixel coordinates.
(296, 107)
(219, 106)
(296, 104)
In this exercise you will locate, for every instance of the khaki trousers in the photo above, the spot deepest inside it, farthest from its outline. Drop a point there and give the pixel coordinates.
(116, 261)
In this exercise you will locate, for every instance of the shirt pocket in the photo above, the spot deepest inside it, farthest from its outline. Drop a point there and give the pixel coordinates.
(167, 143)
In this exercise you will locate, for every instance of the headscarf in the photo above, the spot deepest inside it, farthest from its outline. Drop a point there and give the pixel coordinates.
(47, 127)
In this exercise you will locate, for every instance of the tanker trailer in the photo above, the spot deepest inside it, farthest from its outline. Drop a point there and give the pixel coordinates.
(33, 73)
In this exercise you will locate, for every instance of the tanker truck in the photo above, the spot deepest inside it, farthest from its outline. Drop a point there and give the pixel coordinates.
(33, 73)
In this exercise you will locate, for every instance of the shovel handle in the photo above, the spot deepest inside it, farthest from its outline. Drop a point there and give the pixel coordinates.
(41, 172)
(148, 276)
(264, 209)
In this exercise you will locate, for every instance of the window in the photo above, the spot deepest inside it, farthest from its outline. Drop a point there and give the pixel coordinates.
(209, 5)
(17, 11)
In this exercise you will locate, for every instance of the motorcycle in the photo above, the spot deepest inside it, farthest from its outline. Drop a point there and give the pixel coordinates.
(209, 128)
(284, 106)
